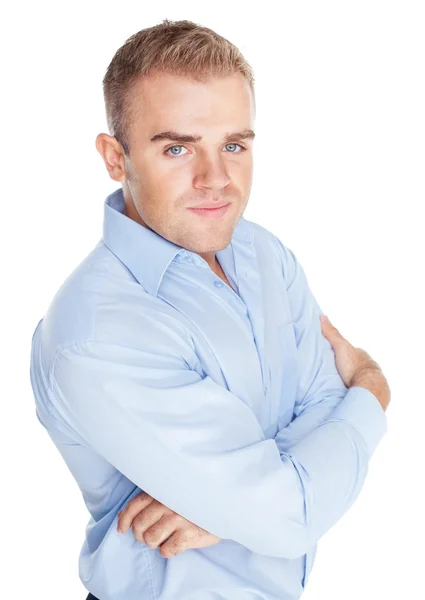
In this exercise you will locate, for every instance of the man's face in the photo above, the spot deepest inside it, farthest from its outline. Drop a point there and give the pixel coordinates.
(165, 177)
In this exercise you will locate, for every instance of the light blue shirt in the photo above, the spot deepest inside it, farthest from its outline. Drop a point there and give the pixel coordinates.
(225, 405)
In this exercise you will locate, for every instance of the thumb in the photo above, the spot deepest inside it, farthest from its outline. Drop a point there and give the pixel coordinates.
(329, 331)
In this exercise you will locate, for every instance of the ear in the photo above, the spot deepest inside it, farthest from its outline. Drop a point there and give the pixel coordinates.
(113, 156)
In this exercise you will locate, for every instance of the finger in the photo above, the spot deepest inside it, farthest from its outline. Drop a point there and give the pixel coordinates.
(132, 509)
(146, 518)
(160, 531)
(177, 543)
(329, 330)
(325, 322)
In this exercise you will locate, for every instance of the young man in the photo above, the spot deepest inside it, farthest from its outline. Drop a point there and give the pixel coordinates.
(181, 369)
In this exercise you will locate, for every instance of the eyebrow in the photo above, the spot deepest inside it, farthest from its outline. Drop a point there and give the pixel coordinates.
(182, 137)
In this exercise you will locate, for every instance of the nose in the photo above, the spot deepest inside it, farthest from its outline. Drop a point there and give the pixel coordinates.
(211, 173)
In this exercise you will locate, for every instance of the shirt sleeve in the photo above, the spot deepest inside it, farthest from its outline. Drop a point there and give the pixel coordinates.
(185, 440)
(334, 430)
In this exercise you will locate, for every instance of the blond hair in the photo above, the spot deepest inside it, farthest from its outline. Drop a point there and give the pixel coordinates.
(178, 47)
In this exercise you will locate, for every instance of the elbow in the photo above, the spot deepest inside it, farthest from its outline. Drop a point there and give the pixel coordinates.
(286, 542)
(297, 547)
(296, 551)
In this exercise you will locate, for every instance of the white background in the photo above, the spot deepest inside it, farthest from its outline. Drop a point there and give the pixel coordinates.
(339, 177)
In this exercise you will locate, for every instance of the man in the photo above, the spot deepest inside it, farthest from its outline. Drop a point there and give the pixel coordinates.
(181, 369)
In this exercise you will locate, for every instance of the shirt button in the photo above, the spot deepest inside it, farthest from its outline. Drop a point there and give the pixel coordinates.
(218, 284)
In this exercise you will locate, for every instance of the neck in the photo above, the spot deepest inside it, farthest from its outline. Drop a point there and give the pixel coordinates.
(211, 259)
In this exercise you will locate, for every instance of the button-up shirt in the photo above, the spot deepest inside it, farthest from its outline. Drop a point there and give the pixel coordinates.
(222, 402)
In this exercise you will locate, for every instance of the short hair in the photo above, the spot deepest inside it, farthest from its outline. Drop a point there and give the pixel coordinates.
(177, 47)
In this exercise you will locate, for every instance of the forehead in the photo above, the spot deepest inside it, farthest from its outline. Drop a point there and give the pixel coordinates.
(166, 100)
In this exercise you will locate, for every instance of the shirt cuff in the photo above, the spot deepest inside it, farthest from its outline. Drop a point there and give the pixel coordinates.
(363, 411)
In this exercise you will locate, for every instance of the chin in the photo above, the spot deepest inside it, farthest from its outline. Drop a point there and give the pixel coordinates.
(217, 244)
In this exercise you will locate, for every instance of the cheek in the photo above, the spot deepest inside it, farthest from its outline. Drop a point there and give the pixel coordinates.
(172, 180)
(158, 188)
(246, 168)
(240, 171)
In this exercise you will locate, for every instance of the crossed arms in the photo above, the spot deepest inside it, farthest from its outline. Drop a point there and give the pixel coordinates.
(208, 459)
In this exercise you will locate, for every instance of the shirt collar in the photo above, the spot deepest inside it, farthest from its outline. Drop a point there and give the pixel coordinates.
(143, 251)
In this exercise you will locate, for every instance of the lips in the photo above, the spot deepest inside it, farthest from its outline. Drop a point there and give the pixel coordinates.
(211, 212)
(210, 206)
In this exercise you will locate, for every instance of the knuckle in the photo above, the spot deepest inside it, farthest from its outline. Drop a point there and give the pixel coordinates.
(138, 525)
(153, 534)
(138, 535)
(177, 544)
(150, 540)
(179, 520)
(141, 497)
(165, 551)
(137, 531)
(137, 502)
(174, 549)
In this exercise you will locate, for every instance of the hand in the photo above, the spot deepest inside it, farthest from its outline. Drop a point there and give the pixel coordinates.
(356, 366)
(348, 359)
(159, 526)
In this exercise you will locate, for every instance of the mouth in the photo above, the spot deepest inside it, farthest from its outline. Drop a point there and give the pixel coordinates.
(211, 212)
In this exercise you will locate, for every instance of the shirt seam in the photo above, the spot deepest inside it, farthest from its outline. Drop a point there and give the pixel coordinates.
(60, 349)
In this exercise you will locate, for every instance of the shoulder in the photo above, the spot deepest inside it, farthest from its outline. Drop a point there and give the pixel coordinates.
(101, 304)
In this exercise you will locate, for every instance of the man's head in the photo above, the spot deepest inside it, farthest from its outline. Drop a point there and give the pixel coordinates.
(180, 78)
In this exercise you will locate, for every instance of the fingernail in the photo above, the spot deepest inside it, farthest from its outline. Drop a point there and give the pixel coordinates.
(324, 319)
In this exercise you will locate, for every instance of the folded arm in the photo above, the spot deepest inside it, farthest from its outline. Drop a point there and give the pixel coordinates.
(198, 449)
(185, 440)
(334, 430)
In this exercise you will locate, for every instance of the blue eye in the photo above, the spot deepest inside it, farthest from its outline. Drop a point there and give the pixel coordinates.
(241, 149)
(166, 152)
